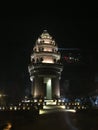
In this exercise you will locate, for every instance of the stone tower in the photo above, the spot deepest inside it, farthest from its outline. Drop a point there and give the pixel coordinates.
(45, 68)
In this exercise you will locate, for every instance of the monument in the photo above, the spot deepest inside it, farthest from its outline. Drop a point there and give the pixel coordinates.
(45, 68)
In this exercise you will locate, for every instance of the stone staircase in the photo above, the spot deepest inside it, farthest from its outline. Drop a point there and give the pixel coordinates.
(50, 102)
(51, 105)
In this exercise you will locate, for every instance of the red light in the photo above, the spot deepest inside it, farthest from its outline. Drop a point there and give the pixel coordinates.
(65, 57)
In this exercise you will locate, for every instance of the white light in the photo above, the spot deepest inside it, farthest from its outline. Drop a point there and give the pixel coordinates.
(50, 102)
(59, 100)
(49, 82)
(38, 103)
(42, 112)
(49, 94)
(28, 108)
(44, 107)
(27, 101)
(79, 107)
(63, 101)
(35, 100)
(15, 108)
(11, 108)
(39, 40)
(63, 106)
(24, 108)
(31, 79)
(71, 110)
(40, 100)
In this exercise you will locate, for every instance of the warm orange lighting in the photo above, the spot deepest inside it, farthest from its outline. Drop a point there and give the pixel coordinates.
(48, 49)
(48, 60)
(8, 127)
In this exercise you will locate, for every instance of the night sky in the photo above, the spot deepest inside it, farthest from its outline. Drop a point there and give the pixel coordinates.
(19, 29)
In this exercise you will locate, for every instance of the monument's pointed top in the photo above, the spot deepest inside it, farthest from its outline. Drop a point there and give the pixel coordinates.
(45, 31)
(45, 34)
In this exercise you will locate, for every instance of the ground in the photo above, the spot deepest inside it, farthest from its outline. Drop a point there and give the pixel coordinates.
(60, 121)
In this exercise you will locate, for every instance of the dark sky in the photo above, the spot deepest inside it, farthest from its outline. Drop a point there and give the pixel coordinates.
(19, 29)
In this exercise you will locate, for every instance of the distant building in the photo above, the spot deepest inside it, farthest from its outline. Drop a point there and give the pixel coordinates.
(45, 68)
(70, 55)
(78, 74)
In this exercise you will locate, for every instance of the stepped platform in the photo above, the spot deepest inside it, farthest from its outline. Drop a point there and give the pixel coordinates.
(51, 106)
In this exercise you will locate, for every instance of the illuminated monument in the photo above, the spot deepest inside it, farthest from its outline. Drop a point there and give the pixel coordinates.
(45, 68)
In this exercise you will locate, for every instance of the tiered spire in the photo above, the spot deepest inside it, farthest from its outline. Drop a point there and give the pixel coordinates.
(45, 49)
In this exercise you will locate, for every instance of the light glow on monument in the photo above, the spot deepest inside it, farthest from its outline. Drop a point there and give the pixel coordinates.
(47, 60)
